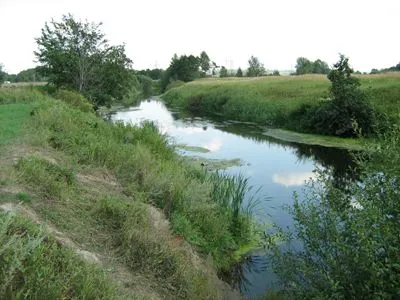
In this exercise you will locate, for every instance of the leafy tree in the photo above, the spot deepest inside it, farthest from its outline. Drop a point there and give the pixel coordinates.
(29, 75)
(239, 73)
(223, 72)
(2, 74)
(184, 68)
(348, 113)
(256, 68)
(304, 66)
(320, 67)
(75, 54)
(276, 73)
(205, 63)
(154, 74)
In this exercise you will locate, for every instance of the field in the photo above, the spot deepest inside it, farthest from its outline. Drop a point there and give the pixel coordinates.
(271, 100)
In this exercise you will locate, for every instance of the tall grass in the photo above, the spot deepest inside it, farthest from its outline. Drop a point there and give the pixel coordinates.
(272, 100)
(35, 266)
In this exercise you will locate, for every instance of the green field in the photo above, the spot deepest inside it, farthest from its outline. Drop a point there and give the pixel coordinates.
(271, 100)
(12, 118)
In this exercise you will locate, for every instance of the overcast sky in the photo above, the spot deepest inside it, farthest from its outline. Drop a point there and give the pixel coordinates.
(277, 32)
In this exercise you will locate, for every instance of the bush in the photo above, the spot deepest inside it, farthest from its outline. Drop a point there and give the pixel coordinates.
(74, 99)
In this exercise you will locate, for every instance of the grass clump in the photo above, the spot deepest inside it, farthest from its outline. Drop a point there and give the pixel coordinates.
(34, 266)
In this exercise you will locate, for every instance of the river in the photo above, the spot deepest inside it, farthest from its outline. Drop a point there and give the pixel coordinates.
(275, 168)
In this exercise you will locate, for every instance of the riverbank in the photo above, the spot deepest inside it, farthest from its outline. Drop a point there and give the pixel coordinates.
(272, 101)
(117, 207)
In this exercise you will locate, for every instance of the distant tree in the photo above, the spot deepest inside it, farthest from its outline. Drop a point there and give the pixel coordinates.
(205, 63)
(184, 68)
(275, 73)
(256, 68)
(29, 75)
(348, 113)
(374, 71)
(223, 72)
(304, 66)
(239, 73)
(2, 74)
(214, 67)
(154, 74)
(320, 67)
(75, 54)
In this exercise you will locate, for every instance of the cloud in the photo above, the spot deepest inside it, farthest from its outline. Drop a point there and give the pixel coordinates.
(214, 145)
(293, 178)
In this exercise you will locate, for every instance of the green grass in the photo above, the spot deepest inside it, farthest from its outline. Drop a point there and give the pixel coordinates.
(35, 266)
(314, 139)
(271, 101)
(12, 119)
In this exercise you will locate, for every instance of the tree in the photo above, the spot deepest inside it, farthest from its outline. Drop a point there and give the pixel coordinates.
(304, 66)
(2, 74)
(223, 72)
(205, 62)
(75, 54)
(184, 68)
(276, 73)
(320, 67)
(348, 113)
(239, 73)
(29, 75)
(256, 68)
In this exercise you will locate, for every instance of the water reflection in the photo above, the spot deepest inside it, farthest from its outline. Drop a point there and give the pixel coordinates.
(293, 178)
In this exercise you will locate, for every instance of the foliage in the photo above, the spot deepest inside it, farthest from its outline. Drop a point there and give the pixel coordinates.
(205, 62)
(75, 55)
(395, 68)
(155, 74)
(2, 74)
(29, 75)
(256, 68)
(184, 68)
(74, 99)
(305, 66)
(348, 113)
(276, 73)
(350, 240)
(223, 72)
(239, 73)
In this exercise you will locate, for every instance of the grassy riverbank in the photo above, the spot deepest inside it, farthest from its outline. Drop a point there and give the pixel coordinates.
(114, 205)
(272, 101)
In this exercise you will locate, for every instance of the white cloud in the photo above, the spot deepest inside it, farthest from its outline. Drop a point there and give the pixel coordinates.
(293, 178)
(214, 145)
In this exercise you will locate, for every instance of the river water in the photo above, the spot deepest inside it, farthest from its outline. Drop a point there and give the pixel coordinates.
(276, 168)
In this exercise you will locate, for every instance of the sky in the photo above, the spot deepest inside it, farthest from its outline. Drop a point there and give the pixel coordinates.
(277, 32)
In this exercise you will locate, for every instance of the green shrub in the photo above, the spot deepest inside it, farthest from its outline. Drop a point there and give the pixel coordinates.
(74, 99)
